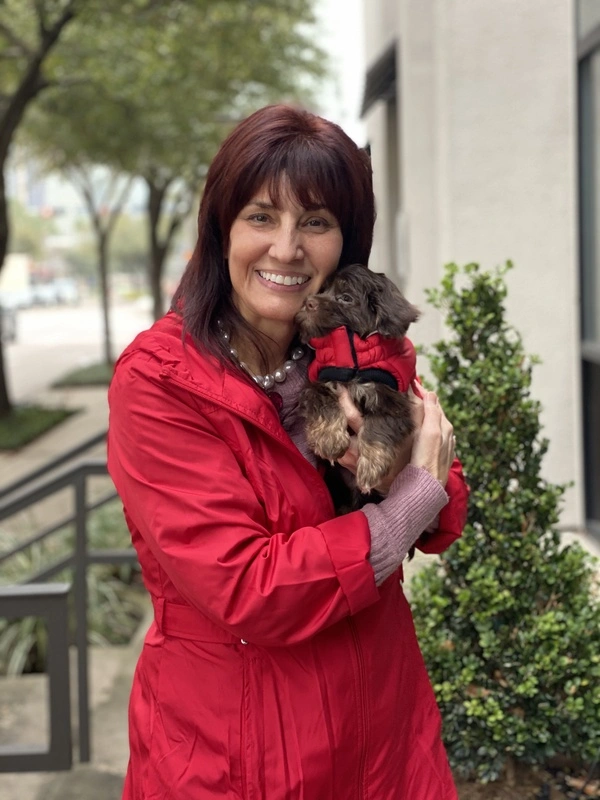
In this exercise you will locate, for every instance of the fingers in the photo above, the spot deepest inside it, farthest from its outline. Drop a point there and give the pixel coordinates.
(350, 457)
(416, 407)
(433, 447)
(355, 422)
(433, 444)
(353, 415)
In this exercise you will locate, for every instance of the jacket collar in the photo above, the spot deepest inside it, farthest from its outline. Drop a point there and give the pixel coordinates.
(180, 362)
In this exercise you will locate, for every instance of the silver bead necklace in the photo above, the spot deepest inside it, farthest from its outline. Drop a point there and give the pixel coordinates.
(269, 380)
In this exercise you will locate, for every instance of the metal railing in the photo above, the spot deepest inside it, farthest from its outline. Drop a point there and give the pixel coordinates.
(56, 462)
(22, 495)
(49, 601)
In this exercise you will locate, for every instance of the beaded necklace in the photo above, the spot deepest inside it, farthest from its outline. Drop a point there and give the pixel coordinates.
(269, 380)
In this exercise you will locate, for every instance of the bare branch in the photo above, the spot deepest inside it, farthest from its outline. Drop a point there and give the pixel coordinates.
(41, 14)
(32, 81)
(50, 35)
(118, 205)
(183, 202)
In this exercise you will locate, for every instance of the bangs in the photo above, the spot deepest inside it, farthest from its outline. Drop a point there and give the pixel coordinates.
(313, 175)
(285, 151)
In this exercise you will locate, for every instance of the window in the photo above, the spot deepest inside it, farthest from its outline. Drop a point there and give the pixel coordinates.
(589, 246)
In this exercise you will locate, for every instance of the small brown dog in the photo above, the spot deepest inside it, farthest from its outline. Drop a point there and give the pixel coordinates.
(357, 326)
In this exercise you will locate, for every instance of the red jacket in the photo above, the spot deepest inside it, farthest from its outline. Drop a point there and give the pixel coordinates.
(276, 669)
(342, 355)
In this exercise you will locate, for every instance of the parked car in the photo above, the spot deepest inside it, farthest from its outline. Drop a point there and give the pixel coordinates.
(60, 291)
(67, 291)
(16, 298)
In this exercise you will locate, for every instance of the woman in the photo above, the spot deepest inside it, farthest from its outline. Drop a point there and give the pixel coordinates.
(282, 663)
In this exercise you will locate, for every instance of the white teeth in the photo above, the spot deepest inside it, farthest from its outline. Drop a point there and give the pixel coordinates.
(286, 280)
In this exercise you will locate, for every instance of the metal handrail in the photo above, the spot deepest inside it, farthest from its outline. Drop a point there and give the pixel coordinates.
(50, 466)
(76, 478)
(49, 601)
(54, 528)
(52, 485)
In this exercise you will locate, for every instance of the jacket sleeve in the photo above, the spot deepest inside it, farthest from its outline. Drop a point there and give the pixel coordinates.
(186, 492)
(452, 517)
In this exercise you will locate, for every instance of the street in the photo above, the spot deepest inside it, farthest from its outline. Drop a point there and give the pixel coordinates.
(53, 341)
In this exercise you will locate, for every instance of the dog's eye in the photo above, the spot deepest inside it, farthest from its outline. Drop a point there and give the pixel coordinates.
(345, 298)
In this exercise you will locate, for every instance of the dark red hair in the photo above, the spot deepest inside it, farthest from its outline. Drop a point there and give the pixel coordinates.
(323, 167)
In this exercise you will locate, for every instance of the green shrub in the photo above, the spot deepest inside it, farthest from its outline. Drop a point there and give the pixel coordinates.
(509, 619)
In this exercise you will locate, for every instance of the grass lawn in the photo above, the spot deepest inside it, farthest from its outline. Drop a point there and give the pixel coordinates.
(98, 374)
(26, 423)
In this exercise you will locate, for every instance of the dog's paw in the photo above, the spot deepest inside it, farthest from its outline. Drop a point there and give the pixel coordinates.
(374, 463)
(327, 441)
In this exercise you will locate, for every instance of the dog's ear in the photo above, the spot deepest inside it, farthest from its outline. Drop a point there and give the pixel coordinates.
(393, 312)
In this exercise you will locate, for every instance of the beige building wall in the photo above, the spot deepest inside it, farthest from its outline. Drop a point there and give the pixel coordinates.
(487, 170)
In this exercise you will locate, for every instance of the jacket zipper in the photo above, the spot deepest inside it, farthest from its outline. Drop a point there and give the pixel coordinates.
(364, 724)
(244, 730)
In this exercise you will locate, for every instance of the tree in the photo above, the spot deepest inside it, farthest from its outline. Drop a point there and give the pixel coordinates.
(162, 92)
(104, 197)
(509, 621)
(28, 33)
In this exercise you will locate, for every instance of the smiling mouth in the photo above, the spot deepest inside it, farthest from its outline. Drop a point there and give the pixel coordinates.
(283, 280)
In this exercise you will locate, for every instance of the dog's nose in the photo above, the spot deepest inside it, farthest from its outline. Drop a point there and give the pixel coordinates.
(311, 303)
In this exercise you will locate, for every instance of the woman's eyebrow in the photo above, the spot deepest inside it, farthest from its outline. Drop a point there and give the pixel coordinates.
(266, 205)
(262, 204)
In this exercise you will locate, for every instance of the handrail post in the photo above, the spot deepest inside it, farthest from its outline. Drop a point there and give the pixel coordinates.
(81, 604)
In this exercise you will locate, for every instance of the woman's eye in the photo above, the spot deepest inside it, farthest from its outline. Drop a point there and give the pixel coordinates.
(259, 217)
(317, 222)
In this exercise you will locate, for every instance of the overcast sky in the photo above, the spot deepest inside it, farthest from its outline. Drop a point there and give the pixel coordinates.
(342, 38)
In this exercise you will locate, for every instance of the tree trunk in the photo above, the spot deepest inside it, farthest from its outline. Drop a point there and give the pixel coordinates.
(158, 248)
(104, 294)
(5, 404)
(156, 270)
(156, 195)
(510, 771)
(31, 84)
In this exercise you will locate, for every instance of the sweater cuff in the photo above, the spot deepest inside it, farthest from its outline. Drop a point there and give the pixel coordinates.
(414, 500)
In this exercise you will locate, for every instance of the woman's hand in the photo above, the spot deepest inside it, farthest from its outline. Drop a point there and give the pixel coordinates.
(355, 423)
(431, 447)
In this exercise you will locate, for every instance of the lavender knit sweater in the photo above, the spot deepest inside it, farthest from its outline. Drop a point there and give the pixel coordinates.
(413, 502)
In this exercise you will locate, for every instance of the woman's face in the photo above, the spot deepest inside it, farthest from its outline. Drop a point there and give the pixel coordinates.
(278, 256)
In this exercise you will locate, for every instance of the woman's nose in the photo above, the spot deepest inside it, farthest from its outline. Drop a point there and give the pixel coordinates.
(286, 246)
